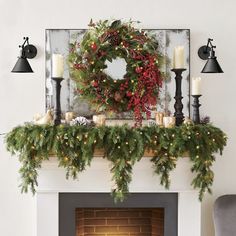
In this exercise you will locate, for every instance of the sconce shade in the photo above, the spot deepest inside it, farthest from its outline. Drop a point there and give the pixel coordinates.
(22, 66)
(212, 66)
(28, 51)
(207, 52)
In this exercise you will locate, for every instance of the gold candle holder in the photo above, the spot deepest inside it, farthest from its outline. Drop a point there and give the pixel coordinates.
(69, 116)
(169, 121)
(99, 120)
(159, 118)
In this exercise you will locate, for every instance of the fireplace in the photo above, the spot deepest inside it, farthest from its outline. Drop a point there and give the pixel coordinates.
(59, 199)
(119, 221)
(95, 214)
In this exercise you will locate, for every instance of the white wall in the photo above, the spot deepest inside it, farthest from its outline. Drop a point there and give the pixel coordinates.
(23, 95)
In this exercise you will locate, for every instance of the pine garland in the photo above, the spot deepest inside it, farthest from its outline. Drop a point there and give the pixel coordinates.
(123, 146)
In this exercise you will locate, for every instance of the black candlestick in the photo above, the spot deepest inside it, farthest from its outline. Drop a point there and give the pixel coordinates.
(179, 116)
(57, 109)
(196, 105)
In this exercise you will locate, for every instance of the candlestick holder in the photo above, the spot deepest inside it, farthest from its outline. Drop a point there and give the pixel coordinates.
(179, 116)
(196, 105)
(57, 108)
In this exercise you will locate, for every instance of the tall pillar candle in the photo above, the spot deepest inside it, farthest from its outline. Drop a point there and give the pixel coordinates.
(57, 66)
(178, 59)
(196, 86)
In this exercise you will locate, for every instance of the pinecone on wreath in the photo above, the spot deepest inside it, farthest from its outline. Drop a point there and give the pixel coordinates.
(114, 38)
(118, 97)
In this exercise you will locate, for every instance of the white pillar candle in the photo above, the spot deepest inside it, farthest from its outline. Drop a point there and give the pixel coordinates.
(196, 86)
(178, 59)
(57, 66)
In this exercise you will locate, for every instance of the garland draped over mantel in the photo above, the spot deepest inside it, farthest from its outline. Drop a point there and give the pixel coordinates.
(123, 146)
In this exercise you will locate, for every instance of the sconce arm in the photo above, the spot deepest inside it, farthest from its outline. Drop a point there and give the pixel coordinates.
(29, 50)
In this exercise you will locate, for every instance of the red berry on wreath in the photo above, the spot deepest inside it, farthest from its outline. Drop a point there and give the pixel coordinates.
(129, 94)
(145, 74)
(94, 46)
(139, 69)
(78, 66)
(95, 84)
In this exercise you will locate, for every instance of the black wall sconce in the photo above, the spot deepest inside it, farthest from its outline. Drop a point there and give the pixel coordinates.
(27, 51)
(207, 52)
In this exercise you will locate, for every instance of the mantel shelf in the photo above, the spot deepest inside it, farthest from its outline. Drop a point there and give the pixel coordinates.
(147, 153)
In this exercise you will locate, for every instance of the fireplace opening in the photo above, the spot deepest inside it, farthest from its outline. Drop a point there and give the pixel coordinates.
(120, 222)
(96, 214)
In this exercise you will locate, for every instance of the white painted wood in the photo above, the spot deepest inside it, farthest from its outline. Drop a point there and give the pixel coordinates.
(189, 214)
(47, 214)
(97, 178)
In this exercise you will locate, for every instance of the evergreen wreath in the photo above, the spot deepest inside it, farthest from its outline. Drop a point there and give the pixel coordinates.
(138, 89)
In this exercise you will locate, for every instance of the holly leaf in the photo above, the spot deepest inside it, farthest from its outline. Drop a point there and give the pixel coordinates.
(91, 24)
(115, 24)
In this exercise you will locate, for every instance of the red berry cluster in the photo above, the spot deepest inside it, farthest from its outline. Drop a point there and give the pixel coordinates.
(146, 93)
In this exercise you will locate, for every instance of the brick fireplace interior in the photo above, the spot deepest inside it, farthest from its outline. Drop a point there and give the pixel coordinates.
(120, 221)
(96, 214)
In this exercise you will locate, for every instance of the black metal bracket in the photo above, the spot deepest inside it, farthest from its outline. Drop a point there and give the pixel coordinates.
(204, 51)
(29, 51)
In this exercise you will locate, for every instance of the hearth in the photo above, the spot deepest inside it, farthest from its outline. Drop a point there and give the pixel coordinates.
(96, 214)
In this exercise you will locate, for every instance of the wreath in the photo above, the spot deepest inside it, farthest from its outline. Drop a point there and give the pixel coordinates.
(104, 41)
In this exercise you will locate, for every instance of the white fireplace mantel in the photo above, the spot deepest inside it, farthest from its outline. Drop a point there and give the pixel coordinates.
(97, 178)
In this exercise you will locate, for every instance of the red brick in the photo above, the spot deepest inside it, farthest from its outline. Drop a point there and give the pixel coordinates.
(106, 229)
(94, 221)
(140, 221)
(117, 221)
(128, 213)
(106, 214)
(89, 213)
(130, 229)
(88, 229)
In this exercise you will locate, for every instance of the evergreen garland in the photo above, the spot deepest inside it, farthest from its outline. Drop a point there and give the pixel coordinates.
(123, 146)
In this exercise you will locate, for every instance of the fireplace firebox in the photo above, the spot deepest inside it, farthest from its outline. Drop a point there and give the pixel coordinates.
(96, 214)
